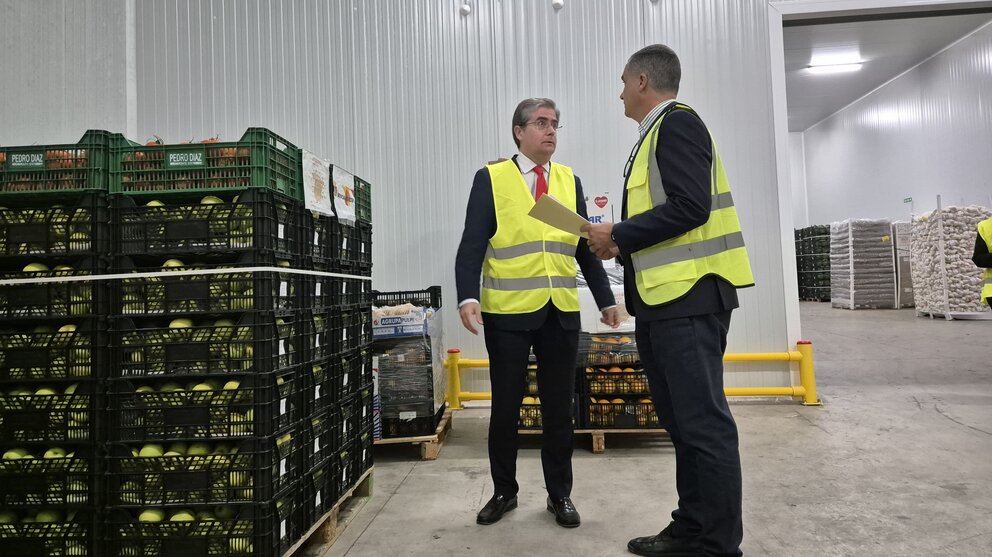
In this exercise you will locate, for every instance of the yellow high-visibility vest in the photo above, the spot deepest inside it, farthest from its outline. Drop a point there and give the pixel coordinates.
(667, 270)
(985, 230)
(528, 262)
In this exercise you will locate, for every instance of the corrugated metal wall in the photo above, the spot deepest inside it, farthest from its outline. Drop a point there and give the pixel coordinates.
(62, 69)
(415, 97)
(797, 179)
(927, 132)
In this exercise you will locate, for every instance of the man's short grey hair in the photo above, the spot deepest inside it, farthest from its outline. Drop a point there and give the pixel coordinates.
(526, 109)
(660, 64)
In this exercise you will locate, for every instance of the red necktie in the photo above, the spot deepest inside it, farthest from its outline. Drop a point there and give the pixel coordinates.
(542, 184)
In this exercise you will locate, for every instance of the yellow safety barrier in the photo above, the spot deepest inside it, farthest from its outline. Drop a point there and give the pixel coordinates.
(806, 390)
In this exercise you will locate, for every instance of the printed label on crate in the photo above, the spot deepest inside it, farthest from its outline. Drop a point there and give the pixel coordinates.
(283, 289)
(281, 231)
(316, 392)
(408, 415)
(413, 322)
(317, 185)
(283, 532)
(282, 407)
(283, 468)
(317, 341)
(344, 194)
(282, 348)
(316, 500)
(186, 159)
(345, 382)
(23, 161)
(317, 289)
(316, 446)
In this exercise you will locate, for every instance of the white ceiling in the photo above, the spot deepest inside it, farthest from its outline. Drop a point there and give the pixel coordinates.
(887, 47)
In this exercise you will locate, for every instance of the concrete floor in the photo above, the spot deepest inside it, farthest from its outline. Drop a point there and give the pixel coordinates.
(898, 461)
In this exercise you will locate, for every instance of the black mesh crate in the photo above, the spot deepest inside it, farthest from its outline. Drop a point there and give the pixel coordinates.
(624, 412)
(260, 404)
(253, 221)
(76, 350)
(363, 200)
(34, 228)
(350, 291)
(247, 530)
(55, 169)
(410, 419)
(344, 247)
(224, 292)
(326, 436)
(317, 494)
(344, 470)
(531, 417)
(58, 534)
(336, 379)
(349, 329)
(364, 399)
(57, 413)
(61, 299)
(259, 160)
(364, 451)
(616, 380)
(612, 349)
(34, 475)
(186, 473)
(258, 342)
(429, 297)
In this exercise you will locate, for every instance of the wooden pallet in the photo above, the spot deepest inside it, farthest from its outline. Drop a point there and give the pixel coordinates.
(330, 526)
(599, 435)
(430, 445)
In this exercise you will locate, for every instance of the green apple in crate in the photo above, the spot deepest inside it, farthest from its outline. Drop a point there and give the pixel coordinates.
(151, 515)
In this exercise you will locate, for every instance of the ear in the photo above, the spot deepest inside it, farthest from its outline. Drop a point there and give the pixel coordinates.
(642, 82)
(518, 132)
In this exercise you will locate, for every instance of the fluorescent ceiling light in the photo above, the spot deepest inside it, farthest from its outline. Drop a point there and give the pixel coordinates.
(836, 56)
(834, 68)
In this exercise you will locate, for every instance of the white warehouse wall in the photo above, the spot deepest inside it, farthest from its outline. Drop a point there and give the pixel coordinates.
(927, 132)
(797, 179)
(415, 98)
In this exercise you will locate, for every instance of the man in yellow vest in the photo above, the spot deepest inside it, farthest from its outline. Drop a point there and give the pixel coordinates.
(684, 259)
(529, 300)
(983, 257)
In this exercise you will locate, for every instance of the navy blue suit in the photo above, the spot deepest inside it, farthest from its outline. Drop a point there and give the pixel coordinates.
(553, 334)
(681, 344)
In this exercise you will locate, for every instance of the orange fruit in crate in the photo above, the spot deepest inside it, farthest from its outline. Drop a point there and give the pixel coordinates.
(590, 370)
(645, 400)
(612, 340)
(602, 401)
(614, 369)
(629, 370)
(618, 401)
(624, 340)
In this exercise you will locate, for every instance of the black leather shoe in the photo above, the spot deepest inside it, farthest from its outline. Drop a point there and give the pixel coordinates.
(664, 545)
(495, 509)
(564, 511)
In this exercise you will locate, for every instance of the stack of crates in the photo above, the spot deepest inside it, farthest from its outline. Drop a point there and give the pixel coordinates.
(614, 389)
(54, 227)
(204, 444)
(813, 262)
(337, 394)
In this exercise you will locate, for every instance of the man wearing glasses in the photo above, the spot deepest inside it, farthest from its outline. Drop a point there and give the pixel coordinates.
(528, 299)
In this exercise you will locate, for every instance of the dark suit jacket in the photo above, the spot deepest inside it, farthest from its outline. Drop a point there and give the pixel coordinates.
(684, 155)
(480, 226)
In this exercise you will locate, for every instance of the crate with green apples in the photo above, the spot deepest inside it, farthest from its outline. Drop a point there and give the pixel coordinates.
(43, 532)
(34, 228)
(52, 170)
(252, 220)
(161, 408)
(253, 342)
(56, 352)
(203, 472)
(336, 379)
(53, 289)
(48, 412)
(233, 290)
(265, 529)
(33, 475)
(317, 494)
(340, 330)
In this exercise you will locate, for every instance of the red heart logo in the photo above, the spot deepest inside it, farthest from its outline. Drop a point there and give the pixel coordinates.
(601, 201)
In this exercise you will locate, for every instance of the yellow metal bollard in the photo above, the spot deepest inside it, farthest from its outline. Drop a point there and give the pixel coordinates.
(807, 378)
(454, 379)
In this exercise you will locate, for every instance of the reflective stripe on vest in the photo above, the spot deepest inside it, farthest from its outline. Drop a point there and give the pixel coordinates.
(667, 270)
(528, 263)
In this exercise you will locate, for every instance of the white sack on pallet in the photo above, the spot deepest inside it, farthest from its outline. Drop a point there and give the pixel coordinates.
(862, 274)
(963, 278)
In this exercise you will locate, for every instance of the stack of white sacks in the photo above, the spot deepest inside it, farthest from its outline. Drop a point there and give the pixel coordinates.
(862, 274)
(963, 278)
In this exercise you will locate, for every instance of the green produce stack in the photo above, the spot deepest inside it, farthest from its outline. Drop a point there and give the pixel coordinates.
(54, 226)
(813, 262)
(338, 388)
(205, 409)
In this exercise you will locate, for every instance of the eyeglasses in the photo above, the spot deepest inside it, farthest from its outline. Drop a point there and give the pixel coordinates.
(543, 124)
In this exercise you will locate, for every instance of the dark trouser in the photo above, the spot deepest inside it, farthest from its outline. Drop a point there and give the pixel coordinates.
(683, 360)
(556, 351)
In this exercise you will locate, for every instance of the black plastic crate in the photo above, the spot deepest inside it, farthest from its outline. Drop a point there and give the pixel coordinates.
(55, 169)
(410, 419)
(339, 247)
(68, 299)
(229, 408)
(429, 297)
(34, 475)
(348, 329)
(624, 412)
(71, 534)
(613, 349)
(228, 291)
(363, 200)
(34, 228)
(344, 470)
(253, 221)
(258, 342)
(364, 399)
(244, 471)
(72, 351)
(253, 530)
(364, 453)
(259, 160)
(532, 419)
(57, 413)
(317, 495)
(325, 437)
(616, 380)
